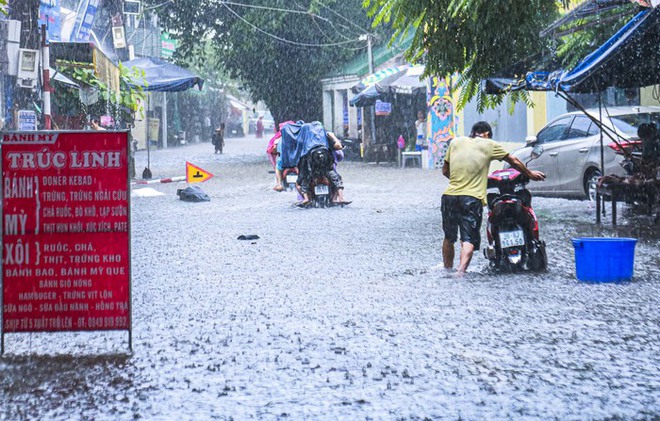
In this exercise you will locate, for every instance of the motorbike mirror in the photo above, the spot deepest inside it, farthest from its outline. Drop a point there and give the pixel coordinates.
(530, 140)
(536, 152)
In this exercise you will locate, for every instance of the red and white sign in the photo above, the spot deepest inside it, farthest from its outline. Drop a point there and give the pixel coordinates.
(66, 242)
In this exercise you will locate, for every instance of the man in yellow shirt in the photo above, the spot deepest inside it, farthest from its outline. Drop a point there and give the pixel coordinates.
(466, 166)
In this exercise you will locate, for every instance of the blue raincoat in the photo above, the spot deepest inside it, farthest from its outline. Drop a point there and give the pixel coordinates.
(298, 139)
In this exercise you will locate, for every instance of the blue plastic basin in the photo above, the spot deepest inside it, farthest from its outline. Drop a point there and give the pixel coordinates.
(604, 259)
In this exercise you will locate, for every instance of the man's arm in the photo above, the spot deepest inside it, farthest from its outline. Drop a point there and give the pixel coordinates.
(336, 143)
(445, 169)
(515, 163)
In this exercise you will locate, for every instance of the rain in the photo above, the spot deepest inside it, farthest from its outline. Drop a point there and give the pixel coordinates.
(246, 305)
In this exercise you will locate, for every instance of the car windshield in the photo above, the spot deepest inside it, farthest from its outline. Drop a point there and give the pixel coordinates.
(628, 123)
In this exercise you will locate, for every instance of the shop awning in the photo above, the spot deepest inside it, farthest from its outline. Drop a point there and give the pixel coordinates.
(162, 76)
(235, 103)
(377, 77)
(405, 81)
(59, 77)
(629, 59)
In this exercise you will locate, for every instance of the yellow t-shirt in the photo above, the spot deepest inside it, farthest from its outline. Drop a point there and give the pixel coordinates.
(469, 159)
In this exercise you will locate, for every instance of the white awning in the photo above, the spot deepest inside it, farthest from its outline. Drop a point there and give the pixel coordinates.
(62, 79)
(238, 105)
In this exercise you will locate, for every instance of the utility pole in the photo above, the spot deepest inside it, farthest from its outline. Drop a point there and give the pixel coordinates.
(45, 64)
(372, 109)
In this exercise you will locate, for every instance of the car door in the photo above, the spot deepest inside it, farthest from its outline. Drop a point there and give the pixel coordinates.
(574, 153)
(550, 140)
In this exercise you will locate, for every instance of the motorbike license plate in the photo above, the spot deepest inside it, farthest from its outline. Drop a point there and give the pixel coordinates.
(291, 178)
(512, 238)
(321, 189)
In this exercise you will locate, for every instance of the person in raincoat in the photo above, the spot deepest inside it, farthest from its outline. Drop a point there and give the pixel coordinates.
(309, 147)
(219, 138)
(274, 152)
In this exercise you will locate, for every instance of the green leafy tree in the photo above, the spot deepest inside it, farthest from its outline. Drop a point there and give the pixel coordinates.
(472, 38)
(278, 50)
(478, 38)
(122, 106)
(3, 4)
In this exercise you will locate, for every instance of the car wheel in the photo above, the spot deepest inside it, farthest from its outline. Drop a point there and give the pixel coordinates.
(590, 184)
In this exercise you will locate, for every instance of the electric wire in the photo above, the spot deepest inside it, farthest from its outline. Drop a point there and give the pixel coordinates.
(158, 6)
(284, 40)
(345, 19)
(270, 8)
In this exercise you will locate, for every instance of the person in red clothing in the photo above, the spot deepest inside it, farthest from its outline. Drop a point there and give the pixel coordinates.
(260, 127)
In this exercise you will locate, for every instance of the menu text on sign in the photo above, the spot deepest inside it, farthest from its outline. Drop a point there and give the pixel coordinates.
(66, 244)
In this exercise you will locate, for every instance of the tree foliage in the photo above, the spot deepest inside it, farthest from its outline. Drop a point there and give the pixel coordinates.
(278, 49)
(472, 38)
(478, 38)
(122, 106)
(581, 36)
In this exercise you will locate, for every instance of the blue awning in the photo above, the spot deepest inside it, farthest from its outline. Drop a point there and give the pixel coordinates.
(629, 59)
(162, 76)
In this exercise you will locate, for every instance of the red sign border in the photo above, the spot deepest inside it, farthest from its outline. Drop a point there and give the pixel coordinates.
(129, 250)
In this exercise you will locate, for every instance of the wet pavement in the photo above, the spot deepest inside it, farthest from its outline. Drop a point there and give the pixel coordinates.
(340, 314)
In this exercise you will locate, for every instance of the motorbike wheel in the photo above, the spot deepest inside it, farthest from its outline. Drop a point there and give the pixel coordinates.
(323, 201)
(590, 185)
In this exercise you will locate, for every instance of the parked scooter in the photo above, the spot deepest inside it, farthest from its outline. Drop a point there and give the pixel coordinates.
(513, 229)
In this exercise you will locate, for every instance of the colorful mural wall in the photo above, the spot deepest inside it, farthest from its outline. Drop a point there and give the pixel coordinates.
(442, 120)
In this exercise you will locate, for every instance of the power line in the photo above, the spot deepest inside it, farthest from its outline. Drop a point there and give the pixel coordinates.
(301, 44)
(345, 18)
(273, 9)
(340, 34)
(158, 6)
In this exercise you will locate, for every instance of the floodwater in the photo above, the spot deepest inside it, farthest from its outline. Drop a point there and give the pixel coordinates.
(340, 314)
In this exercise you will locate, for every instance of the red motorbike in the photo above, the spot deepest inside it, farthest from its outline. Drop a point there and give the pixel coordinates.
(320, 192)
(513, 229)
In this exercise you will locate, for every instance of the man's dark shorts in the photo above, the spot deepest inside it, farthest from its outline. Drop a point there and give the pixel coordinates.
(464, 213)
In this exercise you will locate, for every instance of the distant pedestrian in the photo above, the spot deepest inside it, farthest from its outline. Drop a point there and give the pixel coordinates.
(219, 138)
(260, 127)
(420, 127)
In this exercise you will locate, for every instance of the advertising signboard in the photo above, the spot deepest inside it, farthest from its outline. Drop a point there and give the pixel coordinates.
(50, 15)
(383, 108)
(66, 242)
(27, 120)
(168, 45)
(85, 20)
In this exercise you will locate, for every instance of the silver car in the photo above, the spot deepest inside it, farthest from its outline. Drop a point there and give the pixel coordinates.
(570, 149)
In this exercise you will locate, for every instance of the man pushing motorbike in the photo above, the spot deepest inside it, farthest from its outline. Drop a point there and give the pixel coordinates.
(466, 165)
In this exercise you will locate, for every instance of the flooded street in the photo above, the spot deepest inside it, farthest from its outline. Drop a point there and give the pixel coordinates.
(340, 313)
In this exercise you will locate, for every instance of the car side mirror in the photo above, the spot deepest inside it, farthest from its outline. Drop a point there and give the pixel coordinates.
(530, 140)
(536, 152)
